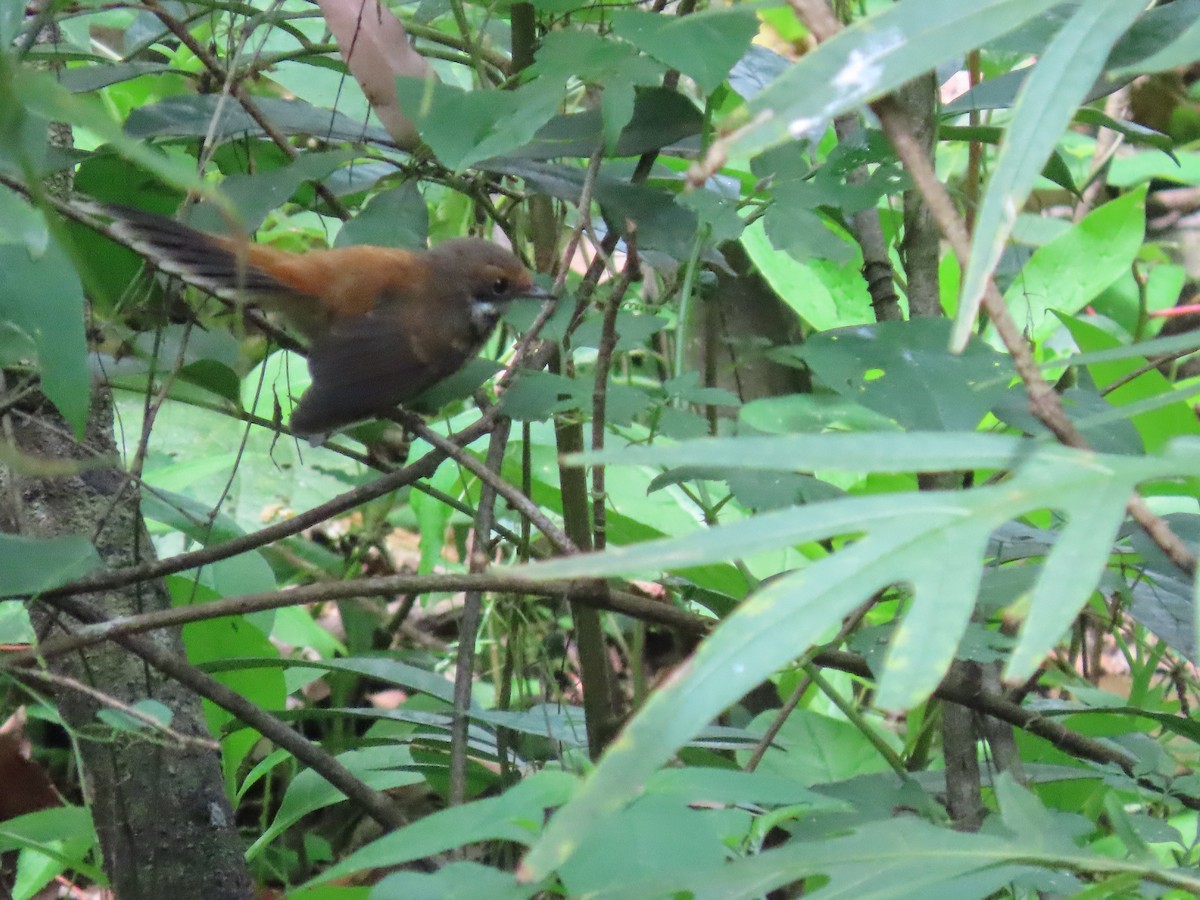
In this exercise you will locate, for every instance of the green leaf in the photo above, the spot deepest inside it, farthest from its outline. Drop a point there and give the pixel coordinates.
(824, 296)
(255, 195)
(903, 370)
(662, 223)
(801, 413)
(215, 640)
(660, 118)
(1156, 427)
(802, 233)
(91, 78)
(64, 835)
(698, 784)
(456, 881)
(1071, 270)
(43, 297)
(1133, 132)
(464, 127)
(382, 768)
(119, 720)
(1181, 168)
(1058, 84)
(867, 453)
(656, 836)
(32, 565)
(813, 749)
(199, 115)
(21, 224)
(616, 67)
(15, 625)
(41, 95)
(905, 858)
(869, 59)
(569, 54)
(516, 815)
(1024, 815)
(1166, 37)
(395, 218)
(704, 46)
(933, 542)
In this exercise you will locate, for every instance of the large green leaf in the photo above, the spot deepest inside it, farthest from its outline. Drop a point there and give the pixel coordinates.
(933, 542)
(43, 297)
(1066, 273)
(906, 858)
(382, 768)
(464, 127)
(871, 58)
(31, 565)
(201, 115)
(1047, 100)
(1156, 426)
(515, 816)
(704, 46)
(821, 293)
(903, 370)
(42, 96)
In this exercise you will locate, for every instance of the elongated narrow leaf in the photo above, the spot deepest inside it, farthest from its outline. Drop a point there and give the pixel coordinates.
(509, 817)
(1070, 572)
(909, 857)
(790, 615)
(1044, 107)
(873, 452)
(740, 654)
(872, 58)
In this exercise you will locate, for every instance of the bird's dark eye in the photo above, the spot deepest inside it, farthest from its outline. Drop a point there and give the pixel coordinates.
(500, 286)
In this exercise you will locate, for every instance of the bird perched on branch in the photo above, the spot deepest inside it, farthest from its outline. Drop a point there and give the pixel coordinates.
(383, 324)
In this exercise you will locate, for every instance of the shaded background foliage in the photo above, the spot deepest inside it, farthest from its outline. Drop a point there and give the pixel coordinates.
(879, 614)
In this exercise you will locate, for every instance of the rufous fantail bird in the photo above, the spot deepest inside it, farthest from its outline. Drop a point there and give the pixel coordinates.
(383, 324)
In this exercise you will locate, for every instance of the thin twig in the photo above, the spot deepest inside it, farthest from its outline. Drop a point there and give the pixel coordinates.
(467, 460)
(107, 700)
(422, 468)
(377, 805)
(623, 602)
(608, 343)
(468, 624)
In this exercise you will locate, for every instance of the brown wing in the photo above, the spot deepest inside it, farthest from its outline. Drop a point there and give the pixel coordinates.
(364, 366)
